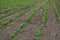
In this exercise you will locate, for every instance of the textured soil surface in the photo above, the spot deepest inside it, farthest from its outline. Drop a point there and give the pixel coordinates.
(51, 30)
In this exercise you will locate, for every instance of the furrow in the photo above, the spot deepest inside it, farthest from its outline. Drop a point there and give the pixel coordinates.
(51, 29)
(43, 21)
(29, 30)
(5, 31)
(14, 18)
(13, 34)
(56, 11)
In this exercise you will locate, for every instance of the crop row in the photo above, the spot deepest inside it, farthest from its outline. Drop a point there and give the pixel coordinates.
(58, 1)
(6, 10)
(20, 5)
(11, 8)
(2, 11)
(14, 18)
(10, 13)
(43, 21)
(13, 35)
(16, 3)
(7, 14)
(56, 11)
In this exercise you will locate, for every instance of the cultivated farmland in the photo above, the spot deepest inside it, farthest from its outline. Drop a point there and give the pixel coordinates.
(29, 19)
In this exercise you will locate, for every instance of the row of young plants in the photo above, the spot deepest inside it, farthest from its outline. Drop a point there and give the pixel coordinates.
(11, 7)
(56, 11)
(2, 24)
(14, 33)
(43, 21)
(12, 12)
(5, 10)
(7, 5)
(58, 1)
(8, 14)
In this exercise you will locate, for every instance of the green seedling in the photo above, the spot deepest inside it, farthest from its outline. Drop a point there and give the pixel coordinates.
(43, 21)
(56, 12)
(14, 18)
(24, 23)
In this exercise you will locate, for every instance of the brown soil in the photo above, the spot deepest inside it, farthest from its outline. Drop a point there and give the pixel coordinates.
(52, 27)
(5, 31)
(51, 30)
